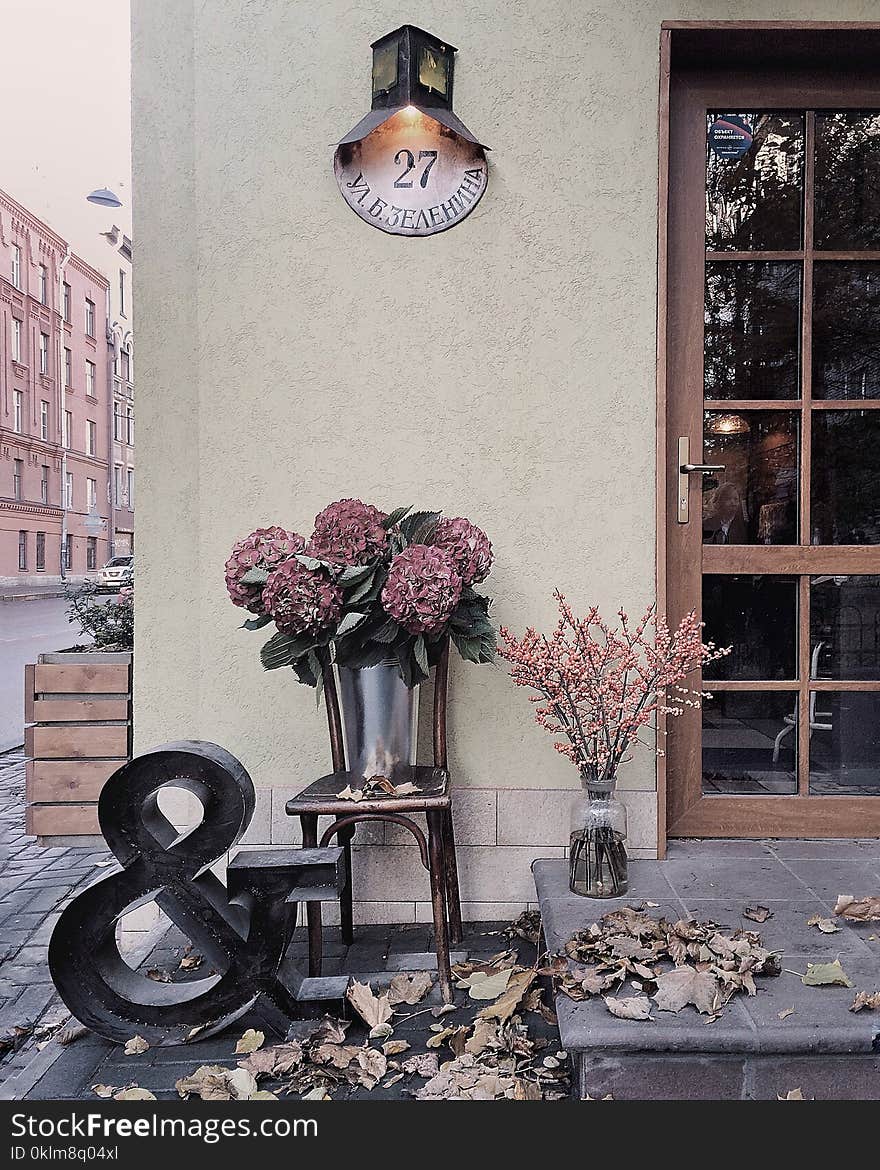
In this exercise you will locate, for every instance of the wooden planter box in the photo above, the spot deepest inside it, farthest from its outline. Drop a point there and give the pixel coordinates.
(78, 717)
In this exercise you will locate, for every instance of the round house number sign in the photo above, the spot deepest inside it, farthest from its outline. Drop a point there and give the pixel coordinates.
(411, 176)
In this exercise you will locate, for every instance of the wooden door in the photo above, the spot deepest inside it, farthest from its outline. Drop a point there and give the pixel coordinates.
(773, 375)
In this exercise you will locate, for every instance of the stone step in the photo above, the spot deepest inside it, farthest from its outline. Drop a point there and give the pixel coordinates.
(748, 1053)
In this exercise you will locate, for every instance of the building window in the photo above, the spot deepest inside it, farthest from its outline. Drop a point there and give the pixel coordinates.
(117, 422)
(91, 494)
(16, 266)
(44, 483)
(68, 429)
(122, 292)
(90, 318)
(90, 378)
(66, 301)
(68, 490)
(126, 365)
(117, 485)
(17, 411)
(44, 420)
(43, 285)
(130, 476)
(17, 472)
(91, 438)
(67, 552)
(44, 353)
(16, 339)
(22, 551)
(91, 552)
(41, 552)
(68, 367)
(129, 425)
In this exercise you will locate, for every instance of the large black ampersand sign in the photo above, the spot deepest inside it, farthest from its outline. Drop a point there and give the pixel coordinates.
(242, 934)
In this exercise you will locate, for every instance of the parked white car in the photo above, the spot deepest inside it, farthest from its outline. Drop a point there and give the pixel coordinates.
(118, 572)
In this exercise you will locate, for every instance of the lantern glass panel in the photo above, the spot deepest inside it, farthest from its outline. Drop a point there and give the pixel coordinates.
(434, 70)
(385, 67)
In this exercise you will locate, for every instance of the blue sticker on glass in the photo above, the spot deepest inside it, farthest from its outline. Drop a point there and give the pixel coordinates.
(730, 136)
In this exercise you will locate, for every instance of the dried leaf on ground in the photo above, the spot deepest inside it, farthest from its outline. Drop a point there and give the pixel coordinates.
(826, 975)
(276, 1061)
(485, 1035)
(858, 909)
(785, 1013)
(504, 1007)
(686, 985)
(136, 1046)
(423, 1064)
(483, 986)
(527, 927)
(241, 1083)
(208, 1082)
(826, 925)
(190, 962)
(13, 1039)
(637, 1007)
(409, 988)
(374, 1065)
(159, 975)
(134, 1093)
(263, 1095)
(374, 1010)
(865, 999)
(791, 1095)
(104, 1090)
(316, 1094)
(757, 913)
(395, 1047)
(249, 1042)
(337, 1055)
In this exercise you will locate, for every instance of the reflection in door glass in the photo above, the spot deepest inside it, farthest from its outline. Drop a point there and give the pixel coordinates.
(846, 330)
(752, 329)
(757, 617)
(750, 743)
(847, 215)
(755, 201)
(754, 499)
(845, 627)
(845, 743)
(845, 481)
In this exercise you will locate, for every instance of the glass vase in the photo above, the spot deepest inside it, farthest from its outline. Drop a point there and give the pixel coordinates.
(597, 863)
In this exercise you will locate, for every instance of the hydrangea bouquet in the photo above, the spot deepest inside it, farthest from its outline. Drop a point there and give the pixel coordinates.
(366, 587)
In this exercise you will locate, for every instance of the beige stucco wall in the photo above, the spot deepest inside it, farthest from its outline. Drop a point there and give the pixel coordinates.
(504, 370)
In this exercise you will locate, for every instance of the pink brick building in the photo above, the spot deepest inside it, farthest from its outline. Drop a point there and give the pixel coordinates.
(55, 405)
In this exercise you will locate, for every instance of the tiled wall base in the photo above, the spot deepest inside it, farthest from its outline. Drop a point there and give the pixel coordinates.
(499, 833)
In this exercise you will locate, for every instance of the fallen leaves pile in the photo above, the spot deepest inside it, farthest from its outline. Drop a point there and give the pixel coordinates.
(673, 964)
(377, 786)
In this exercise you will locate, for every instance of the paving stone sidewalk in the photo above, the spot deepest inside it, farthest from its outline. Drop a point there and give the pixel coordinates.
(35, 885)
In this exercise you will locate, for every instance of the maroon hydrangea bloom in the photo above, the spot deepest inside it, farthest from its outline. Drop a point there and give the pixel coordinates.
(266, 548)
(422, 590)
(301, 600)
(468, 546)
(348, 532)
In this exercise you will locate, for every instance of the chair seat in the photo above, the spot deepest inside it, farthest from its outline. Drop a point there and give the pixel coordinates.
(322, 797)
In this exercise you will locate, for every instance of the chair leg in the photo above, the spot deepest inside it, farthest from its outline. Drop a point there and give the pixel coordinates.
(345, 898)
(309, 822)
(453, 898)
(438, 902)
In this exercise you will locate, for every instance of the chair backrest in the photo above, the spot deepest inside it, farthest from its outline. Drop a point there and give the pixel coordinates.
(334, 718)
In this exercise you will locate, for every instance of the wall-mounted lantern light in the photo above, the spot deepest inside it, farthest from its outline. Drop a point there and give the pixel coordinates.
(411, 166)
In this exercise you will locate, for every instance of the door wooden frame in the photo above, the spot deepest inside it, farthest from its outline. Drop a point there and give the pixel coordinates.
(765, 45)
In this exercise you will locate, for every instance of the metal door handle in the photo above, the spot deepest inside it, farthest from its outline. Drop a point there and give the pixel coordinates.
(686, 468)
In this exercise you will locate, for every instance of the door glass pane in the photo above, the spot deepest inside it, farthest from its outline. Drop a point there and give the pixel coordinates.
(750, 743)
(754, 500)
(845, 627)
(752, 319)
(845, 743)
(757, 617)
(847, 181)
(846, 330)
(755, 201)
(845, 487)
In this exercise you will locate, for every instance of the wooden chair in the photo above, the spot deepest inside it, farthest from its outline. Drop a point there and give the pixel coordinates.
(433, 798)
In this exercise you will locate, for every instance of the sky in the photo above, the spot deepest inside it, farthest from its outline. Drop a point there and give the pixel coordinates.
(65, 113)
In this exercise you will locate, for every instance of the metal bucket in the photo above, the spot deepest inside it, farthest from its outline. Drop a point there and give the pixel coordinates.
(380, 717)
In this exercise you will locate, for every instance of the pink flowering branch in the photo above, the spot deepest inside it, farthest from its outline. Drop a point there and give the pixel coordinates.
(599, 686)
